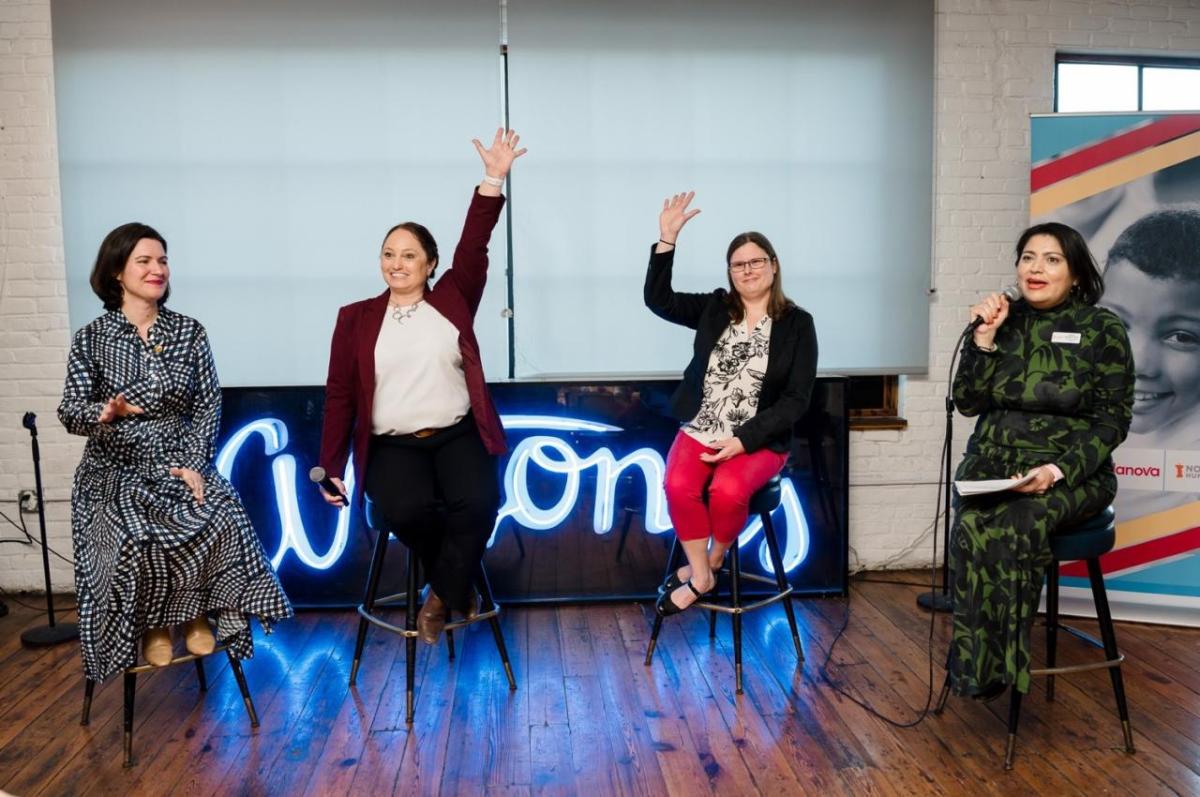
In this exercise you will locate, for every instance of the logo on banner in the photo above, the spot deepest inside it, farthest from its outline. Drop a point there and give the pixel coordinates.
(1139, 468)
(1183, 472)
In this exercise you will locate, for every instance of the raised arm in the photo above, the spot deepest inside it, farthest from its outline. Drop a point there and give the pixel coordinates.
(468, 272)
(663, 301)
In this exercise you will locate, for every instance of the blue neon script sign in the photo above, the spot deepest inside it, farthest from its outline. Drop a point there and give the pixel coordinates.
(548, 453)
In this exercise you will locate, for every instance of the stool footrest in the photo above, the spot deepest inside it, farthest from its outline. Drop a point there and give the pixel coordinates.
(413, 634)
(1095, 665)
(139, 668)
(749, 607)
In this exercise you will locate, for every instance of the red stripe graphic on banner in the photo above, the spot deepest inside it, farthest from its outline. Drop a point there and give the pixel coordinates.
(1140, 554)
(1111, 149)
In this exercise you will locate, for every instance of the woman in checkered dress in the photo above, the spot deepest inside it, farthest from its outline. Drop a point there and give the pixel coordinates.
(161, 539)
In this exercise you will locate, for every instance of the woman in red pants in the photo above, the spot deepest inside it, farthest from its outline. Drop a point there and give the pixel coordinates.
(753, 365)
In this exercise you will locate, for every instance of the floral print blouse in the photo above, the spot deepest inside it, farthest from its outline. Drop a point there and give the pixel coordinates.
(732, 382)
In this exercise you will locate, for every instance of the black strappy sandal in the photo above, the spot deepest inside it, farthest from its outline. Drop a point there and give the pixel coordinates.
(666, 607)
(672, 583)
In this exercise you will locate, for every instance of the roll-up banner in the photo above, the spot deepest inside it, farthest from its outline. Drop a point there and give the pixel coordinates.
(1130, 183)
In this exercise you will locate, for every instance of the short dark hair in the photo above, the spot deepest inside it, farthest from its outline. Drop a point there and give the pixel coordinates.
(777, 303)
(1164, 244)
(424, 238)
(1089, 284)
(114, 253)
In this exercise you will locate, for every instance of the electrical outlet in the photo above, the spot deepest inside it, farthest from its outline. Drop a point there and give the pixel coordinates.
(27, 499)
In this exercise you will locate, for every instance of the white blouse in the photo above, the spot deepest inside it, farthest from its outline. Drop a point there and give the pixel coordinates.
(732, 382)
(419, 381)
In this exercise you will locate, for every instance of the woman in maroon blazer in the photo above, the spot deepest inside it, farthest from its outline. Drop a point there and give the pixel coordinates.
(406, 390)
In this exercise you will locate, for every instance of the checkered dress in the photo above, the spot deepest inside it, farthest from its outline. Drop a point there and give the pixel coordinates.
(146, 554)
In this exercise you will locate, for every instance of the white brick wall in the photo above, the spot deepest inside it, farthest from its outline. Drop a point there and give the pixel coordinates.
(33, 303)
(994, 63)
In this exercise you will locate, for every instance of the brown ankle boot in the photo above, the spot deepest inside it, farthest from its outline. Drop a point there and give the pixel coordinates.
(431, 619)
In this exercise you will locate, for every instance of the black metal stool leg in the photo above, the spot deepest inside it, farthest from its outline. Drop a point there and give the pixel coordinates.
(200, 676)
(1109, 635)
(672, 565)
(1014, 715)
(714, 597)
(373, 575)
(488, 604)
(735, 600)
(243, 687)
(781, 579)
(449, 638)
(89, 687)
(1051, 625)
(127, 739)
(410, 640)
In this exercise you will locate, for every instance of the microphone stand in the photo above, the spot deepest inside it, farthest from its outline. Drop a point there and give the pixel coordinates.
(940, 600)
(52, 633)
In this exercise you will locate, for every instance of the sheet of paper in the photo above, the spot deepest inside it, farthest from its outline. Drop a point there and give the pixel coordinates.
(984, 486)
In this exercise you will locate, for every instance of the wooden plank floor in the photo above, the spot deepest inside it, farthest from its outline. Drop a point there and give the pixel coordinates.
(590, 719)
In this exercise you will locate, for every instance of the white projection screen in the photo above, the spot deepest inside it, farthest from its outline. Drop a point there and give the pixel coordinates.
(273, 143)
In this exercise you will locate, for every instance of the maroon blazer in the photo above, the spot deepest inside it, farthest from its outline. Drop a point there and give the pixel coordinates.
(350, 386)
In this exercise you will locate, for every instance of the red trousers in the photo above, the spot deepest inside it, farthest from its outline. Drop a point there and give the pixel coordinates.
(730, 485)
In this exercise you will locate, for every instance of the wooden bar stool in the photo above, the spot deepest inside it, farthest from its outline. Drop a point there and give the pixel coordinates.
(489, 610)
(1086, 541)
(762, 503)
(131, 674)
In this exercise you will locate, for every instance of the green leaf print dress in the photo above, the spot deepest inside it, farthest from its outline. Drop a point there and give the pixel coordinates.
(1057, 390)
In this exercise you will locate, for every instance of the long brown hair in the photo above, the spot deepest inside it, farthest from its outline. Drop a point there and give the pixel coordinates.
(778, 303)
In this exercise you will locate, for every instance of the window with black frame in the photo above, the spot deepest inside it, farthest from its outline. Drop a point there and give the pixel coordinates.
(1089, 83)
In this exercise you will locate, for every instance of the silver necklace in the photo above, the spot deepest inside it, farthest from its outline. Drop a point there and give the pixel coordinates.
(402, 312)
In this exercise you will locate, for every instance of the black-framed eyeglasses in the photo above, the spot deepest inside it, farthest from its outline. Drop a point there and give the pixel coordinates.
(757, 264)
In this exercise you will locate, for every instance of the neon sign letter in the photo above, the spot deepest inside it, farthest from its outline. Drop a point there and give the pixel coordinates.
(293, 537)
(549, 453)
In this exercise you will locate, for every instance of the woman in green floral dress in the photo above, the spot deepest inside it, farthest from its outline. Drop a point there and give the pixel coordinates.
(1051, 379)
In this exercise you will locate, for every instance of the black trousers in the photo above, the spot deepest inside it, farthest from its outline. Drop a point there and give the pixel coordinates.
(407, 477)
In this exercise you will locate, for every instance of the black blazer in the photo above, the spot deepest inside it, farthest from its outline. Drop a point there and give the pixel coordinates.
(791, 360)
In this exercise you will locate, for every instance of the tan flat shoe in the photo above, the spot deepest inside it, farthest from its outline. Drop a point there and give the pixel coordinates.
(198, 637)
(156, 647)
(431, 619)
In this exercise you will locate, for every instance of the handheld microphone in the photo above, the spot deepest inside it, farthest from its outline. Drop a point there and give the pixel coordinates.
(1011, 292)
(318, 476)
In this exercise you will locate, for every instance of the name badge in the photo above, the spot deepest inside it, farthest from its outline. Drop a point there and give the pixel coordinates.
(1065, 337)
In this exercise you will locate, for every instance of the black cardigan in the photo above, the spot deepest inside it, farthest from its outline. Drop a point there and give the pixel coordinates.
(791, 360)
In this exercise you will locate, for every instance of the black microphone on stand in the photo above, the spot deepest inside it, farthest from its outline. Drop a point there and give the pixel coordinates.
(318, 476)
(51, 634)
(940, 600)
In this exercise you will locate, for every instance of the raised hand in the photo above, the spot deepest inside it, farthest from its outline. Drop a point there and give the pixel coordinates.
(117, 407)
(674, 215)
(499, 157)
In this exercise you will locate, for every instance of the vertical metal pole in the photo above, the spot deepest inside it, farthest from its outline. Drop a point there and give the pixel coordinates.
(509, 312)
